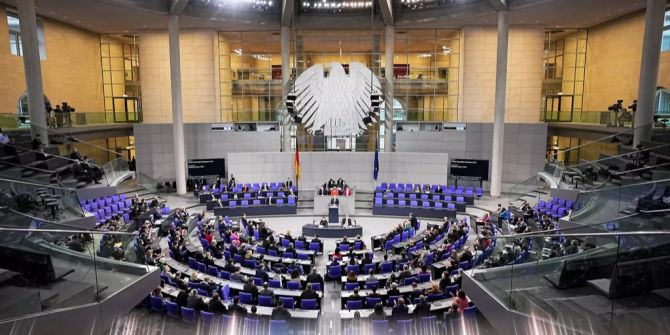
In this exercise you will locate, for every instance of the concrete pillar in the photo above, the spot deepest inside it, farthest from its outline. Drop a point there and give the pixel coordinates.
(286, 86)
(651, 53)
(499, 116)
(389, 33)
(31, 64)
(177, 116)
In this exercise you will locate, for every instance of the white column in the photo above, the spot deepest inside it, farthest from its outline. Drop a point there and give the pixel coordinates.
(389, 33)
(651, 53)
(30, 50)
(499, 116)
(177, 116)
(285, 88)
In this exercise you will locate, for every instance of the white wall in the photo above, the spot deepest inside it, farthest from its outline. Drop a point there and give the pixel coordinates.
(353, 167)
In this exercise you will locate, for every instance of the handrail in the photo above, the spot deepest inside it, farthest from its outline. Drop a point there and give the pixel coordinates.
(642, 169)
(76, 140)
(620, 155)
(96, 232)
(628, 233)
(604, 138)
(629, 185)
(47, 155)
(26, 167)
(655, 211)
(42, 220)
(37, 184)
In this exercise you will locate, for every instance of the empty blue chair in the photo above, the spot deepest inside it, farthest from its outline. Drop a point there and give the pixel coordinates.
(424, 196)
(232, 203)
(460, 199)
(293, 285)
(157, 304)
(206, 317)
(409, 281)
(188, 315)
(258, 281)
(352, 268)
(278, 327)
(299, 245)
(425, 204)
(244, 203)
(224, 275)
(202, 292)
(423, 277)
(386, 267)
(380, 327)
(412, 196)
(316, 286)
(314, 246)
(256, 202)
(369, 267)
(354, 304)
(451, 206)
(291, 200)
(173, 309)
(344, 247)
(401, 195)
(350, 286)
(265, 300)
(288, 255)
(392, 299)
(378, 201)
(280, 201)
(389, 202)
(451, 290)
(402, 203)
(334, 273)
(274, 283)
(463, 265)
(246, 298)
(371, 302)
(390, 195)
(413, 203)
(438, 205)
(371, 284)
(435, 297)
(192, 263)
(289, 303)
(309, 304)
(273, 252)
(212, 271)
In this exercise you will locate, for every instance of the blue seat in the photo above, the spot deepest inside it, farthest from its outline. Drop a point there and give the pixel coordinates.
(293, 285)
(157, 304)
(392, 299)
(265, 300)
(300, 245)
(371, 302)
(314, 246)
(173, 309)
(309, 304)
(212, 271)
(316, 286)
(350, 286)
(369, 267)
(202, 292)
(451, 290)
(386, 267)
(188, 315)
(278, 327)
(354, 304)
(371, 284)
(344, 247)
(472, 310)
(246, 298)
(224, 275)
(352, 268)
(334, 273)
(289, 303)
(378, 201)
(380, 327)
(206, 318)
(274, 283)
(423, 277)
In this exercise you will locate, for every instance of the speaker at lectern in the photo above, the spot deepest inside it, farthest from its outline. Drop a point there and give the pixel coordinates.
(334, 210)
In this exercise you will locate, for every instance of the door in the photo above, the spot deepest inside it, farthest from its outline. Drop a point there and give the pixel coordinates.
(126, 109)
(558, 108)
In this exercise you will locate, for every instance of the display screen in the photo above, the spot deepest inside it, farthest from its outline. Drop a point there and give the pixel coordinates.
(469, 169)
(207, 167)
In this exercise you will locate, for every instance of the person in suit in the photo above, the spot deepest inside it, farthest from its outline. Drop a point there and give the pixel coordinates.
(235, 309)
(422, 308)
(393, 291)
(216, 305)
(378, 312)
(261, 273)
(194, 301)
(266, 291)
(334, 201)
(309, 293)
(250, 287)
(323, 222)
(75, 155)
(280, 313)
(36, 143)
(289, 183)
(182, 298)
(400, 311)
(314, 277)
(231, 182)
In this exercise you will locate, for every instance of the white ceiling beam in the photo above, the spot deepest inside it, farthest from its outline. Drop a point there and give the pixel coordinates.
(177, 6)
(387, 11)
(287, 12)
(499, 4)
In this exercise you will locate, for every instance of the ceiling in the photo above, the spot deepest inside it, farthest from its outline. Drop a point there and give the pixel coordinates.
(133, 16)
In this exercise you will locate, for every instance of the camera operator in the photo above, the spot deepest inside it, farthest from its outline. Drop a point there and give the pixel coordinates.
(67, 117)
(617, 109)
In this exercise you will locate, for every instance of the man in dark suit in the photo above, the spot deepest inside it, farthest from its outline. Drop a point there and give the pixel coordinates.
(334, 201)
(250, 287)
(400, 311)
(422, 308)
(76, 155)
(266, 291)
(315, 277)
(216, 305)
(323, 222)
(195, 301)
(235, 309)
(261, 273)
(393, 291)
(280, 313)
(309, 293)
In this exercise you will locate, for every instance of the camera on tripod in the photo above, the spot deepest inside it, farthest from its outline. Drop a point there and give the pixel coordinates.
(617, 107)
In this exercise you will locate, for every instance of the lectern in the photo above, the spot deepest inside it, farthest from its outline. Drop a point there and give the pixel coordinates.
(333, 214)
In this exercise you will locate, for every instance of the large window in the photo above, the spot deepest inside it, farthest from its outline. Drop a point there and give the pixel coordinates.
(425, 71)
(15, 44)
(250, 76)
(119, 57)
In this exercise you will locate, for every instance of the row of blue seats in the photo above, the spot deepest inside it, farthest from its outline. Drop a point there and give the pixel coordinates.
(415, 203)
(290, 201)
(556, 208)
(409, 187)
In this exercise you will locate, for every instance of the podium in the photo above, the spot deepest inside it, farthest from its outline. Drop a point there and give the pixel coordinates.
(333, 214)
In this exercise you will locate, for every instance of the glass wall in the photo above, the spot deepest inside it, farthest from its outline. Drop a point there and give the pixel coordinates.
(120, 78)
(564, 67)
(425, 69)
(250, 76)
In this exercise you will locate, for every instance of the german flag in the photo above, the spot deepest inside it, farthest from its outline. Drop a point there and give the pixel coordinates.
(297, 164)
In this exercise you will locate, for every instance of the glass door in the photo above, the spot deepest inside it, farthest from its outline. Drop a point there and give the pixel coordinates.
(126, 109)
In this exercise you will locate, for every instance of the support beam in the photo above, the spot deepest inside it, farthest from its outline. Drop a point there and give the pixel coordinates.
(498, 5)
(177, 7)
(285, 88)
(386, 7)
(651, 54)
(499, 116)
(287, 12)
(30, 50)
(389, 33)
(177, 116)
